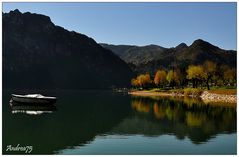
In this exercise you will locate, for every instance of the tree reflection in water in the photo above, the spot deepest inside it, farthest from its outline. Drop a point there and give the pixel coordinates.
(181, 117)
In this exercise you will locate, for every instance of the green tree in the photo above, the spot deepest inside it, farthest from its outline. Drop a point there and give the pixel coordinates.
(230, 75)
(180, 77)
(221, 72)
(209, 69)
(172, 78)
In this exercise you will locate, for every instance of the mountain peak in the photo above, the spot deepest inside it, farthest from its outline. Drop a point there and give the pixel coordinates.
(203, 44)
(37, 21)
(181, 46)
(198, 41)
(16, 11)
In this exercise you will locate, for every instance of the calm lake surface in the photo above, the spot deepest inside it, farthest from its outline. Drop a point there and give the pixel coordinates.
(103, 122)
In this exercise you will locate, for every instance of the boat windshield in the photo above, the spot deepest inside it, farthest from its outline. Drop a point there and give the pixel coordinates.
(35, 95)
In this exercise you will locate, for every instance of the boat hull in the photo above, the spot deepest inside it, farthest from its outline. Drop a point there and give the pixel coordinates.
(29, 100)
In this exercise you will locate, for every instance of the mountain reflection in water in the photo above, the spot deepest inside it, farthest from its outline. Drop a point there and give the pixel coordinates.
(82, 116)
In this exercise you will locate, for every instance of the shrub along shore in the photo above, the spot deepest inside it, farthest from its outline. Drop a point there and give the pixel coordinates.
(228, 96)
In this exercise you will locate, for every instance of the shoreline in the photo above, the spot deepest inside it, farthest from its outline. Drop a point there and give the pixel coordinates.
(205, 96)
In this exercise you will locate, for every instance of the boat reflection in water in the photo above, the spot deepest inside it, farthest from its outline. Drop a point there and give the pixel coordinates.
(31, 108)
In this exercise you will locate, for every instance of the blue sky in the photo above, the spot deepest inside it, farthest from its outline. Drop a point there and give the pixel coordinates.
(164, 24)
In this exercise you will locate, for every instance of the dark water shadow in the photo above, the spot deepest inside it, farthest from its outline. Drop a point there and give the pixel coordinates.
(80, 117)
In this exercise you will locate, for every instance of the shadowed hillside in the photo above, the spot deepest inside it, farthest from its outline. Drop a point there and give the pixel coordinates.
(152, 57)
(38, 55)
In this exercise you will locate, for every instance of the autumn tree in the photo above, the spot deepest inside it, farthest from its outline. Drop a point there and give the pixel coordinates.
(196, 74)
(172, 78)
(144, 80)
(141, 81)
(230, 75)
(218, 78)
(209, 69)
(134, 82)
(160, 78)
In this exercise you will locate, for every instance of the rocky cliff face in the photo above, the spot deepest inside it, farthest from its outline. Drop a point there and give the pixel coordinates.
(39, 55)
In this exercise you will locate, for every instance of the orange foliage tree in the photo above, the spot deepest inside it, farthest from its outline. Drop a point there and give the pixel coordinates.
(142, 81)
(160, 78)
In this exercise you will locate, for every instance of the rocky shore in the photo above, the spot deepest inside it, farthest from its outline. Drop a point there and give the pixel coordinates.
(205, 96)
(210, 97)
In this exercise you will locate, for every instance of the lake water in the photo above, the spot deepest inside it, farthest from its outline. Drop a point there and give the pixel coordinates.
(102, 122)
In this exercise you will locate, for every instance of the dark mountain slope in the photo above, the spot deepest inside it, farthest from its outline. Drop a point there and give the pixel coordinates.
(136, 54)
(149, 59)
(38, 55)
(201, 50)
(119, 50)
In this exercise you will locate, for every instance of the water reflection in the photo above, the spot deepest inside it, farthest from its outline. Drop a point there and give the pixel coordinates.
(79, 118)
(31, 109)
(182, 117)
(83, 116)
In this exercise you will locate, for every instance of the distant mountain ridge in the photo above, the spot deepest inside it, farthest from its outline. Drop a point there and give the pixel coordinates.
(136, 54)
(39, 55)
(150, 58)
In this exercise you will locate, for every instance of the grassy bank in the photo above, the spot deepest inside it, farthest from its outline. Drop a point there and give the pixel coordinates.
(223, 91)
(169, 92)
